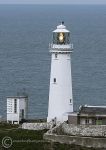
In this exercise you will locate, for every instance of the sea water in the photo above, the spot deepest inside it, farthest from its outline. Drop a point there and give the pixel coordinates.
(25, 34)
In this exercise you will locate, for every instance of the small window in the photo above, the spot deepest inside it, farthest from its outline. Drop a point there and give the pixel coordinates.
(70, 100)
(15, 105)
(99, 121)
(86, 121)
(54, 80)
(55, 55)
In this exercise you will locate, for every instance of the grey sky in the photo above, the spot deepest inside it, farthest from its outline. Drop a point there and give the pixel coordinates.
(53, 1)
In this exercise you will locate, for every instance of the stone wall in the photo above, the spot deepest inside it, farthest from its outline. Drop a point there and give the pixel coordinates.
(37, 126)
(72, 119)
(84, 135)
(77, 140)
(84, 130)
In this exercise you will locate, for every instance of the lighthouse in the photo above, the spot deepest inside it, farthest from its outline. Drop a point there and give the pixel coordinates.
(60, 91)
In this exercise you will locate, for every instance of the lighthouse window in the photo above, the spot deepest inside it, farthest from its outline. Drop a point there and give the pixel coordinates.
(70, 100)
(15, 105)
(55, 55)
(54, 80)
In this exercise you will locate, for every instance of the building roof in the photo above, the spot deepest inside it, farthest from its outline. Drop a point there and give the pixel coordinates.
(17, 97)
(72, 113)
(92, 110)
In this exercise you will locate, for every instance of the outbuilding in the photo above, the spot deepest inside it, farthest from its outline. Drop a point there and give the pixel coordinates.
(88, 115)
(17, 108)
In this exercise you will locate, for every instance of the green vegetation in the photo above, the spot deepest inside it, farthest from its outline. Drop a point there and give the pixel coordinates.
(31, 140)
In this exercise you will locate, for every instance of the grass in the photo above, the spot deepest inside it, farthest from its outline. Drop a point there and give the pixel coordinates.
(31, 140)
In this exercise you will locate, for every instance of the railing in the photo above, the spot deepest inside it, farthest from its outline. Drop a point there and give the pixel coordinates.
(63, 46)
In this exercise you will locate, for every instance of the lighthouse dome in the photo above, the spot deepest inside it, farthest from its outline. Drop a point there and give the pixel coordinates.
(61, 28)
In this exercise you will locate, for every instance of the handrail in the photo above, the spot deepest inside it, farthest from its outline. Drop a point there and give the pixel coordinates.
(63, 46)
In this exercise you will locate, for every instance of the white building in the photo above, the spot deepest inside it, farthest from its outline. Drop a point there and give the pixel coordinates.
(60, 94)
(0, 118)
(17, 109)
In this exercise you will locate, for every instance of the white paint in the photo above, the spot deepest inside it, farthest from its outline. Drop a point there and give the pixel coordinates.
(63, 47)
(61, 28)
(60, 92)
(22, 104)
(95, 106)
(73, 114)
(90, 121)
(82, 121)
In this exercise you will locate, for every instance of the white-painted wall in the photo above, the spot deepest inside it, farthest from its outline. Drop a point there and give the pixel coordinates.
(60, 92)
(21, 104)
(90, 121)
(82, 121)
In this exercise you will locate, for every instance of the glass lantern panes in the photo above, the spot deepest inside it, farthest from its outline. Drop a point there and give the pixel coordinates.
(61, 38)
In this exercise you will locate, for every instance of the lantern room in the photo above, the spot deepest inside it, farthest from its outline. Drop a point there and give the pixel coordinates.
(61, 36)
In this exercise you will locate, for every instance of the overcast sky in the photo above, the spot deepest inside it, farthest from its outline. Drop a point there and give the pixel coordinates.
(52, 1)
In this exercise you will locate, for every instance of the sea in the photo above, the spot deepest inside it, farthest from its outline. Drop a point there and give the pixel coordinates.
(25, 34)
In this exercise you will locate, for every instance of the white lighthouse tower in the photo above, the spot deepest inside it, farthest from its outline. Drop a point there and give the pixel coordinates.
(60, 94)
